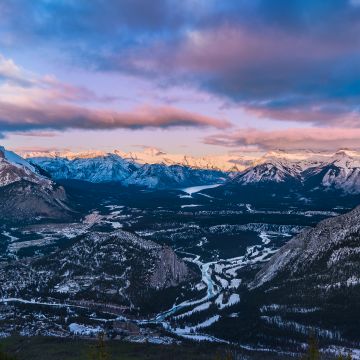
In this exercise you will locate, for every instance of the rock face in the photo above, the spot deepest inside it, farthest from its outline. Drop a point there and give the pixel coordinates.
(25, 194)
(117, 267)
(169, 271)
(25, 201)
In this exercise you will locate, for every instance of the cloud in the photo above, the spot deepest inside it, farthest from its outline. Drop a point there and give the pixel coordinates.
(20, 117)
(290, 139)
(155, 151)
(276, 74)
(19, 83)
(32, 103)
(13, 73)
(91, 21)
(35, 134)
(284, 60)
(38, 150)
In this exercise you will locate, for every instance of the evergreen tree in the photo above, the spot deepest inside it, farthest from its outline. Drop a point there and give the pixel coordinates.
(344, 357)
(99, 350)
(4, 355)
(313, 352)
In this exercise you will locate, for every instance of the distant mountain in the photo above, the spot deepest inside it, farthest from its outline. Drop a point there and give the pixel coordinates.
(340, 172)
(113, 168)
(161, 176)
(152, 155)
(119, 268)
(25, 194)
(272, 170)
(104, 168)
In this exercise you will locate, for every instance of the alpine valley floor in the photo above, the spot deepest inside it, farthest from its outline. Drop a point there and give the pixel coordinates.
(223, 241)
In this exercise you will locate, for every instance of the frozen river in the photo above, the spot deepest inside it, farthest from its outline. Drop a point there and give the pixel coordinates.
(195, 189)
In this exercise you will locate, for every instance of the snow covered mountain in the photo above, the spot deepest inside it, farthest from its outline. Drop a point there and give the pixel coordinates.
(113, 168)
(102, 168)
(151, 155)
(329, 252)
(13, 168)
(270, 171)
(341, 171)
(161, 176)
(26, 194)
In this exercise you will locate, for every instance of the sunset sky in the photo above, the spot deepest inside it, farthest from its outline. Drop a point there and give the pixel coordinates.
(191, 76)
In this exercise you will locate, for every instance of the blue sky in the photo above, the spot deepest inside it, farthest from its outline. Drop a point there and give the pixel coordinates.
(196, 76)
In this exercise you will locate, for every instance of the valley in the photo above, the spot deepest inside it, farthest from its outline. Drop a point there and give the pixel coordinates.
(171, 264)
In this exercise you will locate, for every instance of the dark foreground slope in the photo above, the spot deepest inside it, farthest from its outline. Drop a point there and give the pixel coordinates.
(319, 272)
(44, 348)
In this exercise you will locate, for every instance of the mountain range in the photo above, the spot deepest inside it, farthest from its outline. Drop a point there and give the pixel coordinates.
(113, 168)
(152, 155)
(340, 171)
(238, 264)
(31, 183)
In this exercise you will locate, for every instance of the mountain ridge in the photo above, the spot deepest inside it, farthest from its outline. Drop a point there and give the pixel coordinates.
(26, 194)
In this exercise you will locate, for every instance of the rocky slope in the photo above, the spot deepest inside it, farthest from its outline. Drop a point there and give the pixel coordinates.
(328, 253)
(118, 267)
(312, 284)
(25, 194)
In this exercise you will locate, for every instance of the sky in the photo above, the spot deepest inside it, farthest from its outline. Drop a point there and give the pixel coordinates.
(194, 76)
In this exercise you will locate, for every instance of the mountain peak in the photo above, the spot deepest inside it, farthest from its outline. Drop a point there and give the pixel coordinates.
(346, 153)
(15, 159)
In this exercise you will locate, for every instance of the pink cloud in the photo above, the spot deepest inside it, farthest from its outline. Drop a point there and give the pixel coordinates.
(33, 103)
(35, 133)
(22, 117)
(282, 75)
(318, 114)
(308, 138)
